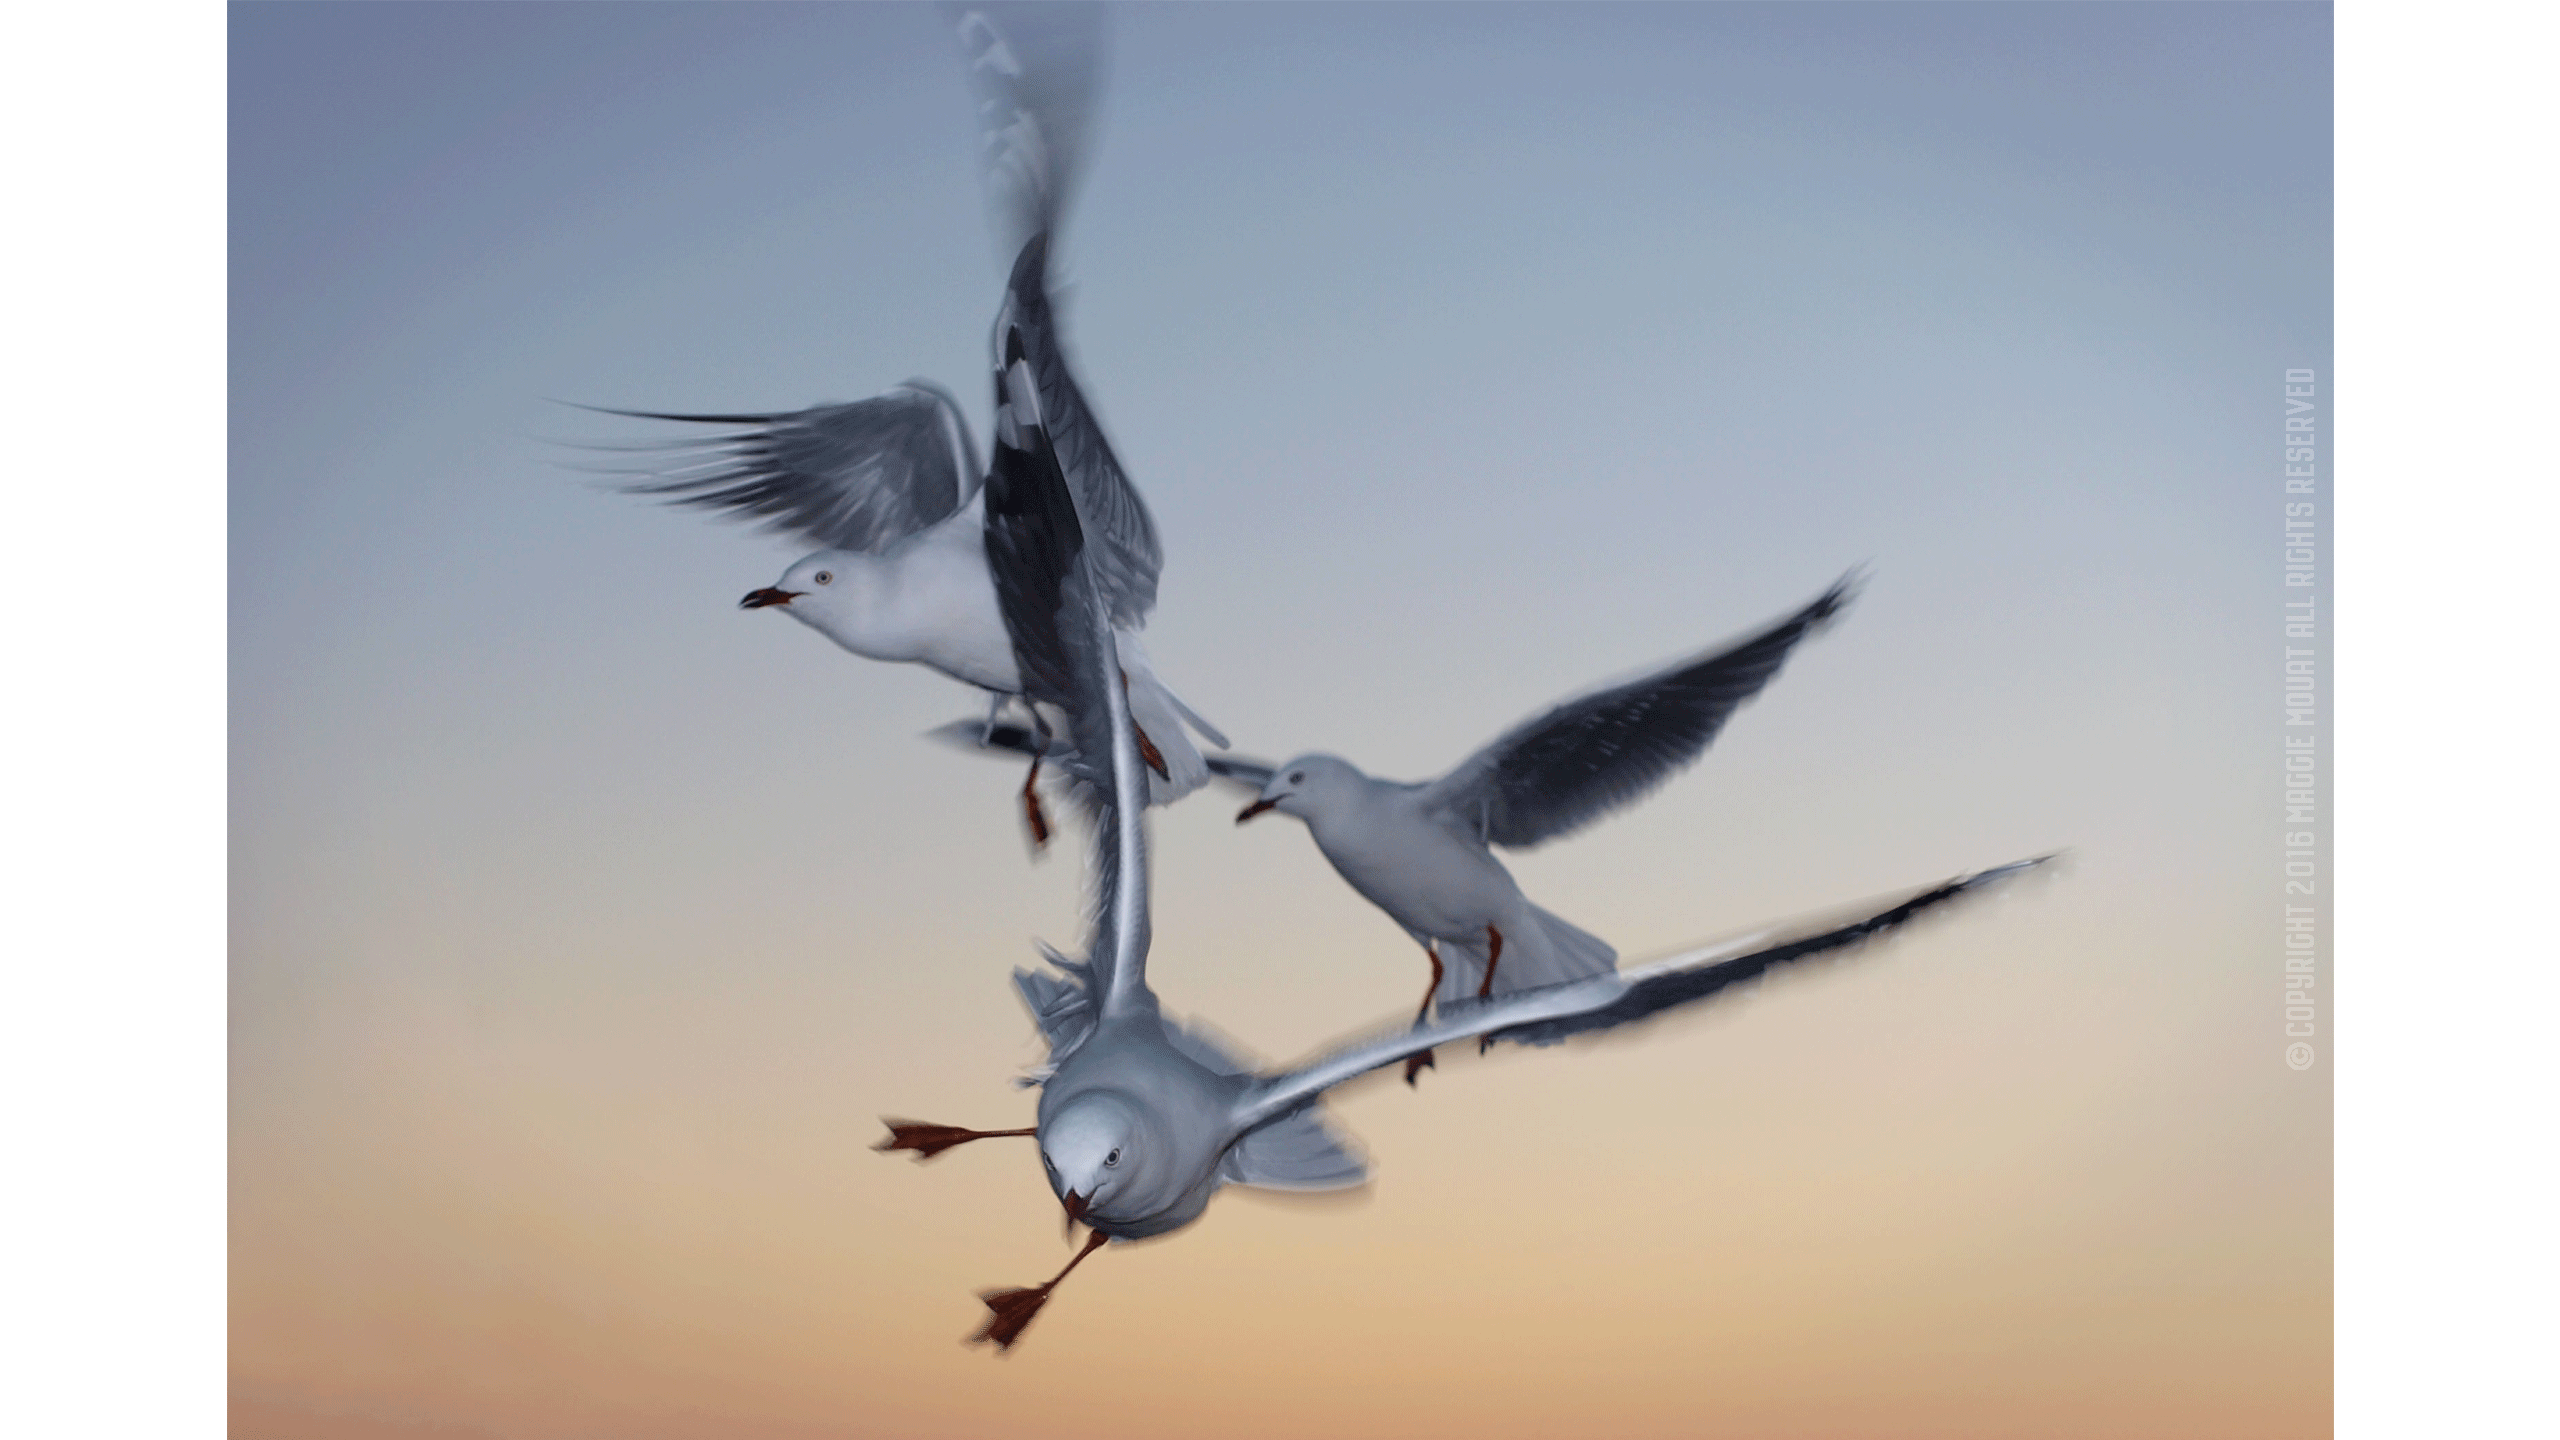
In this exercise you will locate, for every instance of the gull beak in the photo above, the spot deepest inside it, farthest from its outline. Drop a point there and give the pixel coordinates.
(1256, 808)
(758, 599)
(1075, 1204)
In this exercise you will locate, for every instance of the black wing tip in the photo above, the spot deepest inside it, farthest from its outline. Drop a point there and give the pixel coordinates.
(2051, 861)
(1666, 993)
(1831, 603)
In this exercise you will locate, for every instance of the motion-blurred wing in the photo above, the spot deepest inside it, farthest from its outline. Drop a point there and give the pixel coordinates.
(861, 476)
(1568, 767)
(1032, 378)
(1554, 1012)
(1037, 70)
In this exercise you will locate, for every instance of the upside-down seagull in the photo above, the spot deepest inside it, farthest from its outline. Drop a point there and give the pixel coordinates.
(891, 488)
(1142, 1120)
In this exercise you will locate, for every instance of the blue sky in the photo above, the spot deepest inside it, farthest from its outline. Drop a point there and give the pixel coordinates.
(1466, 357)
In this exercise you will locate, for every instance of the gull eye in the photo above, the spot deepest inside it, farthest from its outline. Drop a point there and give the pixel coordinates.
(1297, 777)
(1111, 1159)
(826, 577)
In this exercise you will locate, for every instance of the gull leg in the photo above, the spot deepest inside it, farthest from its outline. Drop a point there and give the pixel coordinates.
(1146, 748)
(995, 712)
(1416, 1064)
(1031, 813)
(931, 1140)
(1154, 757)
(1493, 957)
(1012, 1309)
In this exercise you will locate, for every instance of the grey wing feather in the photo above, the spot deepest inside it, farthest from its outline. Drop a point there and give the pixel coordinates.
(859, 476)
(1035, 547)
(1123, 552)
(1037, 70)
(1295, 1152)
(1555, 1012)
(1558, 772)
(1060, 1004)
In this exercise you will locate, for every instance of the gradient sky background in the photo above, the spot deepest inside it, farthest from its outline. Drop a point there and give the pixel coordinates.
(583, 926)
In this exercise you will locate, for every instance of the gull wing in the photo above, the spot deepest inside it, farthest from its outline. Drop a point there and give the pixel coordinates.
(1037, 70)
(1100, 724)
(1558, 772)
(1035, 547)
(1032, 376)
(1553, 1012)
(860, 476)
(1069, 654)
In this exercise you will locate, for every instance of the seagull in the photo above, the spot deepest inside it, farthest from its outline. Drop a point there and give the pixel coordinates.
(1143, 1119)
(1423, 852)
(891, 489)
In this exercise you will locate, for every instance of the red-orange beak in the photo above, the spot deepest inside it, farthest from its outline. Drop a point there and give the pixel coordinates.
(1075, 1204)
(758, 599)
(1256, 808)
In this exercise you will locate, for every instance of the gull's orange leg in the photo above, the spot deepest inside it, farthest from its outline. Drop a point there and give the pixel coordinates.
(1493, 957)
(1416, 1064)
(1154, 757)
(1146, 748)
(931, 1140)
(1493, 938)
(1013, 1309)
(1031, 815)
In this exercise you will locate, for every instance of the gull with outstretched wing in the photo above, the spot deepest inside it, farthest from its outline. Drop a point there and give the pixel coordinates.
(891, 489)
(1424, 852)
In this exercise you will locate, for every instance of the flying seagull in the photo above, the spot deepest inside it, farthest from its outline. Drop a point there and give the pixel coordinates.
(891, 488)
(1142, 1120)
(1423, 852)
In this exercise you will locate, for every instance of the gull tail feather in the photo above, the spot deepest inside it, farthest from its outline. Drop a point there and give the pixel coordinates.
(1548, 950)
(1295, 1152)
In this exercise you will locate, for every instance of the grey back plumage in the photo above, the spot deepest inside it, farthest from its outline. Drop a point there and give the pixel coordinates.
(858, 476)
(1553, 774)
